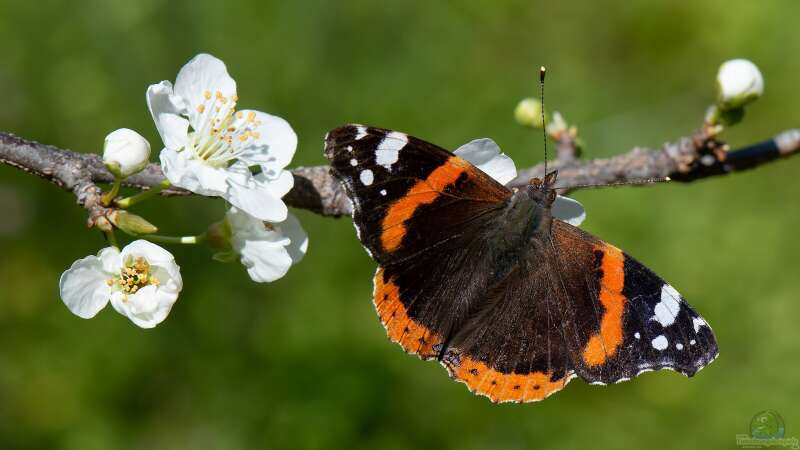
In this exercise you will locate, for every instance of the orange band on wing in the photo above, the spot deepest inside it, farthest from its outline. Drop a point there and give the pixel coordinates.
(505, 387)
(604, 344)
(422, 193)
(415, 339)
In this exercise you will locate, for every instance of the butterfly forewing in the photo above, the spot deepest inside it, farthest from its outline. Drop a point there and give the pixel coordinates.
(623, 318)
(393, 178)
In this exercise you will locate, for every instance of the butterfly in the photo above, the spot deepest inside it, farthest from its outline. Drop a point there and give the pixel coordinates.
(513, 301)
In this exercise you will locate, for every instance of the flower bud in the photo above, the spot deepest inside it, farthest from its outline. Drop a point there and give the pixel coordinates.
(739, 82)
(558, 126)
(528, 113)
(125, 152)
(131, 223)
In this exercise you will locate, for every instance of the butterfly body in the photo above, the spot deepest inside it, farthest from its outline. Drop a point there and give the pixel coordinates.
(513, 301)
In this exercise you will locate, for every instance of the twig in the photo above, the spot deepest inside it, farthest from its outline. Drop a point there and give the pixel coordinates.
(686, 160)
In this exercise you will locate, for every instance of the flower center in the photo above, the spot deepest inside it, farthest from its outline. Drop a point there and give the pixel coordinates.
(134, 275)
(220, 132)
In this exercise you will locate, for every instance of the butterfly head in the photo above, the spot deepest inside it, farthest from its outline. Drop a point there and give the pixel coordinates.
(541, 190)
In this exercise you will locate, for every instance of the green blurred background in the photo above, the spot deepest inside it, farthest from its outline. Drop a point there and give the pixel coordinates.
(304, 363)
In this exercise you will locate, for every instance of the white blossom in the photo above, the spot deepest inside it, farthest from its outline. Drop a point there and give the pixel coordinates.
(211, 149)
(267, 250)
(738, 82)
(125, 151)
(142, 282)
(486, 155)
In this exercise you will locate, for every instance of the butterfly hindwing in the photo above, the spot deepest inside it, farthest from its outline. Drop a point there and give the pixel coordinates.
(513, 349)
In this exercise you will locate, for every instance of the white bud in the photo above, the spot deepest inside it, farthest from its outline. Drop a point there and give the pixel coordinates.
(738, 82)
(126, 152)
(529, 113)
(557, 126)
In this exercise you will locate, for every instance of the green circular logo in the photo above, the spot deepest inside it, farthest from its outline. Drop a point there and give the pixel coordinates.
(767, 425)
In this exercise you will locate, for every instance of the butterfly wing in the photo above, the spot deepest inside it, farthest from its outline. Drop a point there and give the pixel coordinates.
(422, 213)
(513, 348)
(393, 178)
(575, 306)
(622, 318)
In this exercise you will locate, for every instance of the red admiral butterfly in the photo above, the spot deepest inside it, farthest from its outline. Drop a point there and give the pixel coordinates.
(512, 301)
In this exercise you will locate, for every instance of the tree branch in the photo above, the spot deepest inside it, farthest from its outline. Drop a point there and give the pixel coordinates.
(701, 155)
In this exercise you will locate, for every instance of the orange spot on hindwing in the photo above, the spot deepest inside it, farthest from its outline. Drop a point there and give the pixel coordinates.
(412, 336)
(422, 193)
(606, 341)
(504, 387)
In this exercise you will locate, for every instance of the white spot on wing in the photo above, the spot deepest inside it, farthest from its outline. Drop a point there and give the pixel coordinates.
(353, 162)
(692, 342)
(637, 335)
(679, 346)
(383, 191)
(660, 342)
(698, 322)
(388, 151)
(349, 148)
(366, 177)
(361, 131)
(667, 309)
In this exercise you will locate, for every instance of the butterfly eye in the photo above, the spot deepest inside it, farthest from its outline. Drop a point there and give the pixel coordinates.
(551, 195)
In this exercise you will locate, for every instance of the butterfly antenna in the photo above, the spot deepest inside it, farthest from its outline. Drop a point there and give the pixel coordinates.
(635, 182)
(542, 72)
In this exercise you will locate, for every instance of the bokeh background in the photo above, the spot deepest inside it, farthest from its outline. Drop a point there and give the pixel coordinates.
(304, 363)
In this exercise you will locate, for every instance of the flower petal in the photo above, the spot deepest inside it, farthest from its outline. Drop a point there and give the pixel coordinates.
(203, 76)
(243, 225)
(298, 239)
(279, 185)
(193, 175)
(257, 201)
(568, 210)
(486, 155)
(83, 287)
(254, 196)
(168, 110)
(147, 307)
(265, 261)
(112, 263)
(275, 145)
(152, 253)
